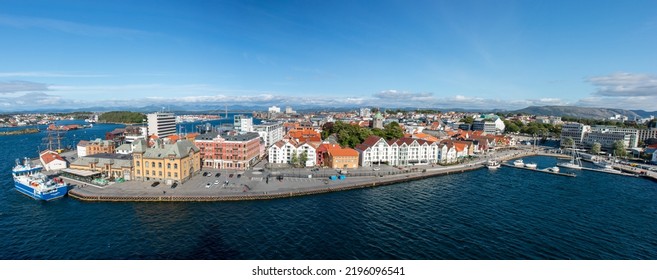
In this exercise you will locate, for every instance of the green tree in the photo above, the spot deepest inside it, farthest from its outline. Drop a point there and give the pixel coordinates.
(595, 149)
(327, 129)
(468, 120)
(303, 158)
(294, 160)
(378, 132)
(567, 142)
(510, 126)
(556, 130)
(619, 148)
(393, 131)
(122, 117)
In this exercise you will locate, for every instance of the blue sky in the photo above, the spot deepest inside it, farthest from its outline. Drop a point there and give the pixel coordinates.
(429, 54)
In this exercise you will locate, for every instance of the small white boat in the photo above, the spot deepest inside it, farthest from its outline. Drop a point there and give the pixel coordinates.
(554, 169)
(493, 164)
(574, 162)
(531, 165)
(606, 166)
(603, 163)
(518, 162)
(570, 165)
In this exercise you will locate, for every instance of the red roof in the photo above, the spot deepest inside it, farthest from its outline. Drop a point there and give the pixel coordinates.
(49, 156)
(370, 141)
(305, 135)
(409, 141)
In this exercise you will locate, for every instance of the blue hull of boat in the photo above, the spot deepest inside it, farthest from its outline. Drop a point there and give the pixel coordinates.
(60, 192)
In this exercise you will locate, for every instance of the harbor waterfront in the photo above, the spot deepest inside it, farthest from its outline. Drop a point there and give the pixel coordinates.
(254, 185)
(505, 213)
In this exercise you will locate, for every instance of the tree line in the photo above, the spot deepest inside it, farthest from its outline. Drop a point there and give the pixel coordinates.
(121, 117)
(532, 128)
(628, 124)
(352, 135)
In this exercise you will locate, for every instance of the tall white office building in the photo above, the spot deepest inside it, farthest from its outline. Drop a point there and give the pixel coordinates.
(243, 123)
(270, 133)
(161, 124)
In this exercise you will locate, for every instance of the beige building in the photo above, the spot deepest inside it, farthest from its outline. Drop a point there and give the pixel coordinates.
(98, 146)
(170, 163)
(110, 166)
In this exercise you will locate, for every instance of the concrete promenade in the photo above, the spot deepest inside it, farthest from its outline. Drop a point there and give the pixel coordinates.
(254, 185)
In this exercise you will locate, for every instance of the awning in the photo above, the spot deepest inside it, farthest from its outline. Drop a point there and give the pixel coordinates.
(83, 173)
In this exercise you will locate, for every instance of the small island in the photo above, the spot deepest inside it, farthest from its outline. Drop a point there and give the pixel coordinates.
(123, 117)
(20, 132)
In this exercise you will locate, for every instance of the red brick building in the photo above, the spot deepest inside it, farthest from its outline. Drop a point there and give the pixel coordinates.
(229, 151)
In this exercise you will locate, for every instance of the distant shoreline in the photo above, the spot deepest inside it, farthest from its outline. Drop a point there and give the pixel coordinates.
(21, 131)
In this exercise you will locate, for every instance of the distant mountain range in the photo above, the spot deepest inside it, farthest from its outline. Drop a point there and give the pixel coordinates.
(572, 111)
(583, 112)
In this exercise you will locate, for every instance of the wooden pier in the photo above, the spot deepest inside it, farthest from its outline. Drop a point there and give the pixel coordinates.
(609, 172)
(540, 170)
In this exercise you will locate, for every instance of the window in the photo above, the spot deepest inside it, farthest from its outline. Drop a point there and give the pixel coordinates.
(146, 163)
(168, 165)
(159, 164)
(175, 174)
(147, 173)
(160, 173)
(137, 163)
(168, 174)
(138, 172)
(153, 164)
(175, 165)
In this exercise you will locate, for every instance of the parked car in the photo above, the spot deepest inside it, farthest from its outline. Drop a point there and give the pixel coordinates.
(239, 175)
(217, 175)
(205, 174)
(174, 185)
(230, 176)
(154, 184)
(207, 185)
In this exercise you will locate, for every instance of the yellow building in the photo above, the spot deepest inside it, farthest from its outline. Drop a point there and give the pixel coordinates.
(170, 163)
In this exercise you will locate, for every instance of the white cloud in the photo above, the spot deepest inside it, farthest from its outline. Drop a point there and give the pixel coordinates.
(622, 90)
(31, 100)
(21, 86)
(403, 95)
(648, 103)
(624, 84)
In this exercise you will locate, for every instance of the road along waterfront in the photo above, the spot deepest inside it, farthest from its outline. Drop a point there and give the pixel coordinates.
(253, 185)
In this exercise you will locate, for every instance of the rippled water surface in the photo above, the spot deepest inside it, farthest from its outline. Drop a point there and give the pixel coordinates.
(484, 214)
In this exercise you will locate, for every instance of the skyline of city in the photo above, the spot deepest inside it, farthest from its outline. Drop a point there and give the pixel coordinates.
(435, 54)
